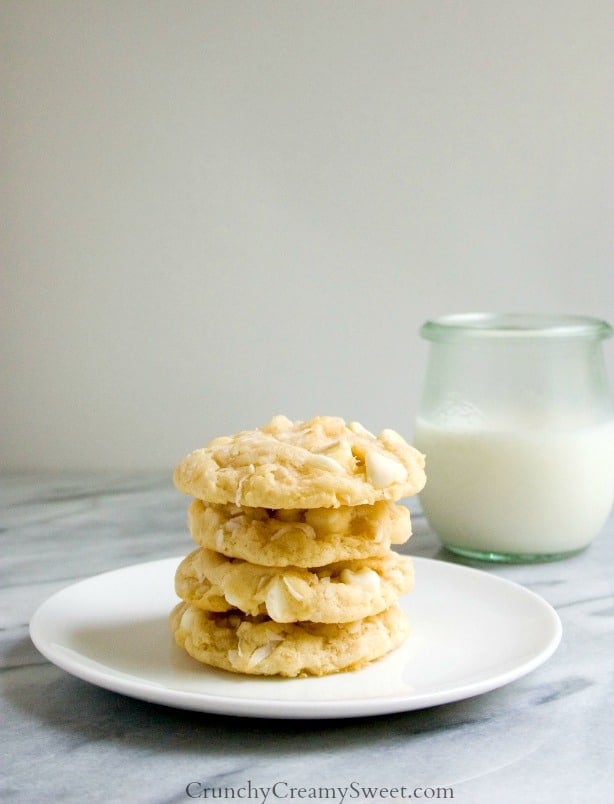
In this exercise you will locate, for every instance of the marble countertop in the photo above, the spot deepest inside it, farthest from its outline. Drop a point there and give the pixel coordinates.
(545, 737)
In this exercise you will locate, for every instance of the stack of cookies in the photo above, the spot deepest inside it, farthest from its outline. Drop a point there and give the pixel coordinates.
(294, 574)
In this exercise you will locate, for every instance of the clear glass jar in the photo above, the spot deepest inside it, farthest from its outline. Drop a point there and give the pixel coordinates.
(517, 425)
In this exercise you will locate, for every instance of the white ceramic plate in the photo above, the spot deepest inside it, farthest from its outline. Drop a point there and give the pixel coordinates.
(471, 632)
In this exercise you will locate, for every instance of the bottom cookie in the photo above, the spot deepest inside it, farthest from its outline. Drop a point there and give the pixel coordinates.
(259, 646)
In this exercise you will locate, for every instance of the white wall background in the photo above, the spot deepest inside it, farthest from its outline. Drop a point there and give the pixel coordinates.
(216, 211)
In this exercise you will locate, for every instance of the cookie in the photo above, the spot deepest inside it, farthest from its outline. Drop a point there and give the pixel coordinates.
(337, 593)
(307, 537)
(320, 463)
(258, 646)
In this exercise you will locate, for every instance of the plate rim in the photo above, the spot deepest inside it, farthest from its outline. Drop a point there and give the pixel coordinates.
(93, 672)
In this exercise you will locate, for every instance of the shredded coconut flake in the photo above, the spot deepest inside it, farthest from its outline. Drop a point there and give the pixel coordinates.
(275, 602)
(359, 429)
(292, 589)
(260, 654)
(292, 526)
(326, 463)
(233, 600)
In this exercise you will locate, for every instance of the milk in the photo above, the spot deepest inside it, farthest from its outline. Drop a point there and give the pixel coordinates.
(517, 491)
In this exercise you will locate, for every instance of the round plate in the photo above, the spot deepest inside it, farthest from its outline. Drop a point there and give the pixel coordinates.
(471, 632)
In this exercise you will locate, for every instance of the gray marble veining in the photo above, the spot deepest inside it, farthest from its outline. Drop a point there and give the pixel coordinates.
(544, 738)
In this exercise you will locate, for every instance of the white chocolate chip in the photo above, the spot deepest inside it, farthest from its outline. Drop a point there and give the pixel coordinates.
(187, 620)
(383, 471)
(366, 578)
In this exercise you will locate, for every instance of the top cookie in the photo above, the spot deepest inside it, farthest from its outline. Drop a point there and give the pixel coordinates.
(320, 463)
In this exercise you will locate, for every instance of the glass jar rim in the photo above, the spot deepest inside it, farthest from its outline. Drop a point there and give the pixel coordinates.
(459, 326)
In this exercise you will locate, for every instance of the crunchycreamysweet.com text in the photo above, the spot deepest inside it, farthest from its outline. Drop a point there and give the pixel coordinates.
(285, 791)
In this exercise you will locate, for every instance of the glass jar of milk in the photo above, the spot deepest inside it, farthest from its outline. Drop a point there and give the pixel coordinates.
(518, 430)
